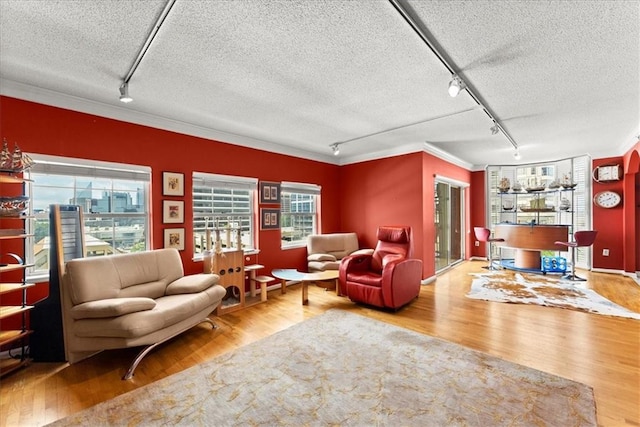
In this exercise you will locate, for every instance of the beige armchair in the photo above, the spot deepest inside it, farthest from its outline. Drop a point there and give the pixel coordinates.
(325, 251)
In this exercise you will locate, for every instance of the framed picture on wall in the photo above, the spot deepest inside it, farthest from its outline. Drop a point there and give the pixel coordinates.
(269, 219)
(172, 184)
(174, 238)
(269, 192)
(172, 211)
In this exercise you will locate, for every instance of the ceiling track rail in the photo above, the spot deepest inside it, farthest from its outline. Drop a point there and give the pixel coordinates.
(418, 30)
(149, 40)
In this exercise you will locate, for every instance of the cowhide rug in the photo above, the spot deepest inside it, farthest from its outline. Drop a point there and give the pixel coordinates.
(506, 286)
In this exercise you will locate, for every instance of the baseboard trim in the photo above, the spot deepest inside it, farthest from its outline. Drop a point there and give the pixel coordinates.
(608, 271)
(428, 280)
(635, 276)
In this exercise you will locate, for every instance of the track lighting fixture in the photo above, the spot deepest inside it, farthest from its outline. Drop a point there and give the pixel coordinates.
(336, 149)
(516, 155)
(494, 129)
(456, 85)
(124, 93)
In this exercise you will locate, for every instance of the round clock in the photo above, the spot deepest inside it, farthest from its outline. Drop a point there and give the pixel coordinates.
(607, 199)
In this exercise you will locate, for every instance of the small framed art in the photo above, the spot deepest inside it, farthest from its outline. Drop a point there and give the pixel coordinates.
(172, 211)
(269, 192)
(269, 219)
(172, 184)
(174, 238)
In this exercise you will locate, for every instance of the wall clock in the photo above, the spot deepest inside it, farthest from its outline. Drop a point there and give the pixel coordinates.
(606, 173)
(607, 199)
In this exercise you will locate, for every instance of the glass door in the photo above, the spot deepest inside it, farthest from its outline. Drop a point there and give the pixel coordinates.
(448, 221)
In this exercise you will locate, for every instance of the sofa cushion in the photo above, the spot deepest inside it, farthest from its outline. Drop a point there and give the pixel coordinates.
(192, 283)
(168, 311)
(111, 307)
(323, 265)
(321, 257)
(139, 274)
(336, 244)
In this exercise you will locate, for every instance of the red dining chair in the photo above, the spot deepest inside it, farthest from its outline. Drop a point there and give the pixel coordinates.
(484, 235)
(580, 239)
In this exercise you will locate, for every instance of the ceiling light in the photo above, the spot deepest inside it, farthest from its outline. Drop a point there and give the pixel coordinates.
(516, 155)
(336, 149)
(455, 86)
(124, 93)
(494, 129)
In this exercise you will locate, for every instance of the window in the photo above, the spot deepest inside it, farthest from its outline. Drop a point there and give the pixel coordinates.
(114, 199)
(226, 203)
(545, 206)
(298, 211)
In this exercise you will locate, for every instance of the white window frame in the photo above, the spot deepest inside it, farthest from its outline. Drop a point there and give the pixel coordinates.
(230, 182)
(84, 168)
(299, 188)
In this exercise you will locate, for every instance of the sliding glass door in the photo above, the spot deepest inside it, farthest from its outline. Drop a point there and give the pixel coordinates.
(449, 224)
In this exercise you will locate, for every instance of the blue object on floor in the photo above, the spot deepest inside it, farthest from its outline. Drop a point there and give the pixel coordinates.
(554, 264)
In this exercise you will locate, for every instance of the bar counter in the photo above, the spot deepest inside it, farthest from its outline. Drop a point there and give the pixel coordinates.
(528, 240)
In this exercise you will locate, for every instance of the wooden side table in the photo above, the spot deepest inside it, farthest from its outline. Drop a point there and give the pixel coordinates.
(254, 279)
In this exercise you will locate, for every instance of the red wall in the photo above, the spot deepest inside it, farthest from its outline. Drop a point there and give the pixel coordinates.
(608, 222)
(396, 191)
(478, 211)
(54, 131)
(631, 208)
(382, 192)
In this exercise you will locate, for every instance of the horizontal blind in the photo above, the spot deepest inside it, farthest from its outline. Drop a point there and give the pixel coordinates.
(300, 188)
(203, 179)
(52, 165)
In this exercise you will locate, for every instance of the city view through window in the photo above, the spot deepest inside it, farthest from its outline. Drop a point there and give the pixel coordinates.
(115, 214)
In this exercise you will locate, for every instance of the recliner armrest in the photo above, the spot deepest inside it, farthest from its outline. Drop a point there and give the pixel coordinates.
(355, 262)
(111, 307)
(362, 252)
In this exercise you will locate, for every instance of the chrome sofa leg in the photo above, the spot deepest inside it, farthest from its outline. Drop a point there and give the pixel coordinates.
(148, 348)
(138, 358)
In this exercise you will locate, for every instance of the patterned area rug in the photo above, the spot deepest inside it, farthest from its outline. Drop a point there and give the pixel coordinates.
(507, 286)
(344, 369)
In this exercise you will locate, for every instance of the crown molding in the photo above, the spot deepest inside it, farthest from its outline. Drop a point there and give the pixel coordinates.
(25, 92)
(52, 98)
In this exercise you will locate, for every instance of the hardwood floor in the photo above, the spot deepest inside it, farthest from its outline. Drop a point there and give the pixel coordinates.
(600, 351)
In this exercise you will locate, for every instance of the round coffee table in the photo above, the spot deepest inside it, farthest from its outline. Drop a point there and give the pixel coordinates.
(285, 274)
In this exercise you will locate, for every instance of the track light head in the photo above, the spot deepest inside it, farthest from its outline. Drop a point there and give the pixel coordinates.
(456, 85)
(516, 155)
(124, 93)
(494, 129)
(336, 149)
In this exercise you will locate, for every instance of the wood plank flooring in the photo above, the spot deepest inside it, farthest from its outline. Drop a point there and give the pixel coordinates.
(600, 351)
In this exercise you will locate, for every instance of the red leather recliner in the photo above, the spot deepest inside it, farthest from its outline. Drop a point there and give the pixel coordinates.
(388, 278)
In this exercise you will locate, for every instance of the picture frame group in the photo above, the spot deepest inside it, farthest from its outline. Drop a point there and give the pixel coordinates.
(173, 211)
(269, 219)
(269, 192)
(172, 184)
(174, 238)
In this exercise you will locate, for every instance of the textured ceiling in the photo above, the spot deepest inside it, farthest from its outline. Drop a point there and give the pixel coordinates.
(561, 77)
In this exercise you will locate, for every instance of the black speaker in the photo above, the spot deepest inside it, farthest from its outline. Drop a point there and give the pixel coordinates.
(66, 242)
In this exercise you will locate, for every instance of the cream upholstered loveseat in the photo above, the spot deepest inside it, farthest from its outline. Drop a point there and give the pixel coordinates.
(130, 300)
(325, 251)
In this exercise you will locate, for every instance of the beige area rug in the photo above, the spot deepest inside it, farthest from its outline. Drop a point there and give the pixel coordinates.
(340, 368)
(522, 288)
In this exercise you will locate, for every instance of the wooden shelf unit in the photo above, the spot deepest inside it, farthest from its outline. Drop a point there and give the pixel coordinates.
(16, 340)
